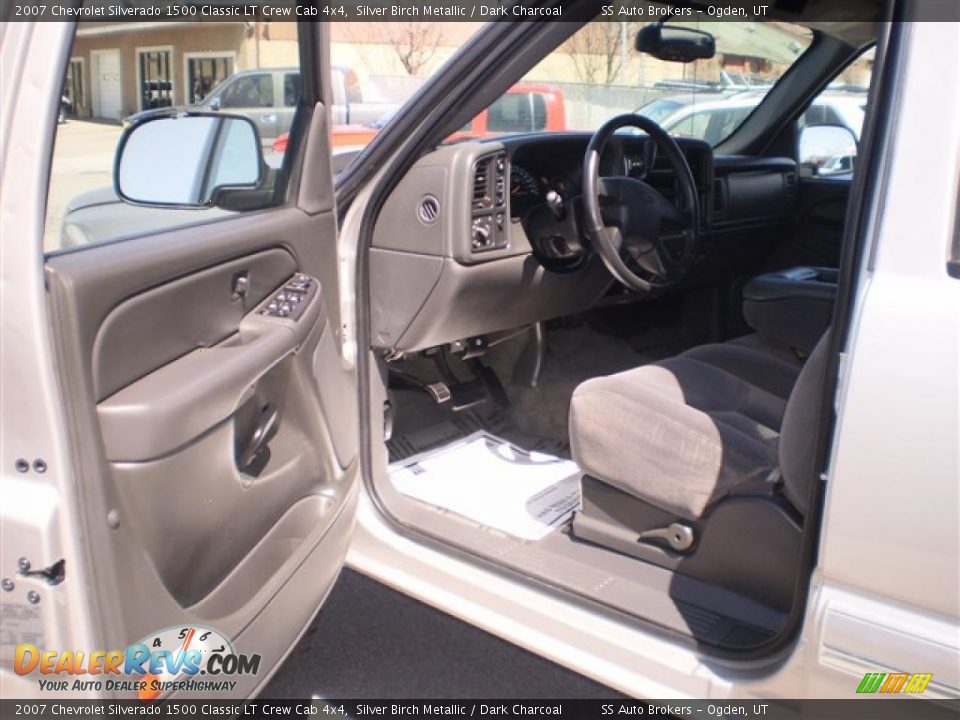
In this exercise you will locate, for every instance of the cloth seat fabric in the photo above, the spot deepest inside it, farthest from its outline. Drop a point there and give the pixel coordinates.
(680, 433)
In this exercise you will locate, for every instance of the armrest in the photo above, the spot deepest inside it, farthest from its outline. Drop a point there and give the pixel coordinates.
(793, 306)
(166, 409)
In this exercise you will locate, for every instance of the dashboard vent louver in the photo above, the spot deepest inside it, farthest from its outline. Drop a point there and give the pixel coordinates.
(790, 185)
(718, 199)
(481, 185)
(428, 210)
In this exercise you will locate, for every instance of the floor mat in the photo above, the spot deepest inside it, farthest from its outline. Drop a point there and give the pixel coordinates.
(493, 483)
(422, 425)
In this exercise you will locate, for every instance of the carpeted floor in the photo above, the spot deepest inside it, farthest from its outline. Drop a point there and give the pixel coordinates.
(536, 418)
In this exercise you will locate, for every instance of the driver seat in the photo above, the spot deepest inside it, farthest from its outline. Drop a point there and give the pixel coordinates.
(702, 462)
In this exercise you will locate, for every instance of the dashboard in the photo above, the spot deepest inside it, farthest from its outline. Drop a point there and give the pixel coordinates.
(471, 240)
(556, 164)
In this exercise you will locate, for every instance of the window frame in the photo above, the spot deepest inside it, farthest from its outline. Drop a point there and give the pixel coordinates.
(214, 55)
(138, 67)
(84, 83)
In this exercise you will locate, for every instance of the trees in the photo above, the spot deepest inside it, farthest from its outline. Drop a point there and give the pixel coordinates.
(599, 50)
(415, 43)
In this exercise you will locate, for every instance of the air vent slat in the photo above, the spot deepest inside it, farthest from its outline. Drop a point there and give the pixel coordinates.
(790, 185)
(481, 185)
(718, 199)
(428, 210)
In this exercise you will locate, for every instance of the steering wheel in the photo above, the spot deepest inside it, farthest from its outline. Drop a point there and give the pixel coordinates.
(646, 241)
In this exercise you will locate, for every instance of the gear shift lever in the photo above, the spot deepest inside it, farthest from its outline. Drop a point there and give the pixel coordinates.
(555, 203)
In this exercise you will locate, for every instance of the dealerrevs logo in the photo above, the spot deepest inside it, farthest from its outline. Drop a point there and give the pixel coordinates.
(172, 659)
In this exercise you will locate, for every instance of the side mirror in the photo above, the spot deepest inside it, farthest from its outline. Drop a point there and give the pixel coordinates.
(675, 44)
(214, 103)
(827, 150)
(187, 160)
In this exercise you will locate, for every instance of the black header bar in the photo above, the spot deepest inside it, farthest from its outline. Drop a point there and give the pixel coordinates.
(460, 10)
(893, 708)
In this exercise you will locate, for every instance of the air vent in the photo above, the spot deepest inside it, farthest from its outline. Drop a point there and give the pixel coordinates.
(719, 205)
(428, 210)
(481, 185)
(790, 185)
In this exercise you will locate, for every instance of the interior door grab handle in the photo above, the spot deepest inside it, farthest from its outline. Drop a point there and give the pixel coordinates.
(262, 432)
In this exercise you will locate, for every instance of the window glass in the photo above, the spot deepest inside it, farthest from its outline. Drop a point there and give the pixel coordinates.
(378, 66)
(155, 74)
(118, 70)
(248, 91)
(291, 89)
(205, 73)
(596, 74)
(354, 92)
(694, 125)
(74, 98)
(520, 112)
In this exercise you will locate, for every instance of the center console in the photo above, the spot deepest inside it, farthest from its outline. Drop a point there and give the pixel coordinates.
(793, 306)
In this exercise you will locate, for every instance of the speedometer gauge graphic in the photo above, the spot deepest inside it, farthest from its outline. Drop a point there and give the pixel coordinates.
(181, 647)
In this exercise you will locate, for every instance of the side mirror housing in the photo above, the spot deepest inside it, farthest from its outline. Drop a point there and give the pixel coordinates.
(187, 160)
(827, 150)
(675, 44)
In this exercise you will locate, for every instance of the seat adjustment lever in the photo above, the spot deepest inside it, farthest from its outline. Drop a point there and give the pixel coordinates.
(678, 536)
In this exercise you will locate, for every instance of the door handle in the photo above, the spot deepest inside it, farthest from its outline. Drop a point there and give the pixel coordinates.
(262, 432)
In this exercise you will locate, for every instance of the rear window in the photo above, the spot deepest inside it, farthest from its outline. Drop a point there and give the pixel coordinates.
(516, 113)
(249, 91)
(291, 89)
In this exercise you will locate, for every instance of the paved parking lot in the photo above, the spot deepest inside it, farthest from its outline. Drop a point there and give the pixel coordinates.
(82, 161)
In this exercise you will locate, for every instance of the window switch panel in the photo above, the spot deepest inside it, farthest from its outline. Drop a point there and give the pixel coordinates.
(290, 301)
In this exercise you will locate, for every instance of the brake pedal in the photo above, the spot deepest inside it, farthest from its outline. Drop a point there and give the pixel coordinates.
(440, 392)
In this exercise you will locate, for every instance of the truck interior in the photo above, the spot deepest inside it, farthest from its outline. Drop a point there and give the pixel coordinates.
(597, 359)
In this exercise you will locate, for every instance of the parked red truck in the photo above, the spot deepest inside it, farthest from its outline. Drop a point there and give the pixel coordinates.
(526, 107)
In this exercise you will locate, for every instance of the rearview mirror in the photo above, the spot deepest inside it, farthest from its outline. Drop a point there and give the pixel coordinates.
(827, 150)
(675, 44)
(186, 160)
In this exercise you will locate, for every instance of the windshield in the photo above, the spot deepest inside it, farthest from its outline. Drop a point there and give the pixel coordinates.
(596, 74)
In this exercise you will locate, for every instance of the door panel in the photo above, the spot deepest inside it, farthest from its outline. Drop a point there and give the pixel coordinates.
(817, 235)
(823, 210)
(148, 330)
(216, 462)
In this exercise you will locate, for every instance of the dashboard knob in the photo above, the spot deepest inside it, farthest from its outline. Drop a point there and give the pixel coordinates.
(481, 234)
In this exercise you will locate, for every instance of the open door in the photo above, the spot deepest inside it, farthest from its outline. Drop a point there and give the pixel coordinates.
(212, 438)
